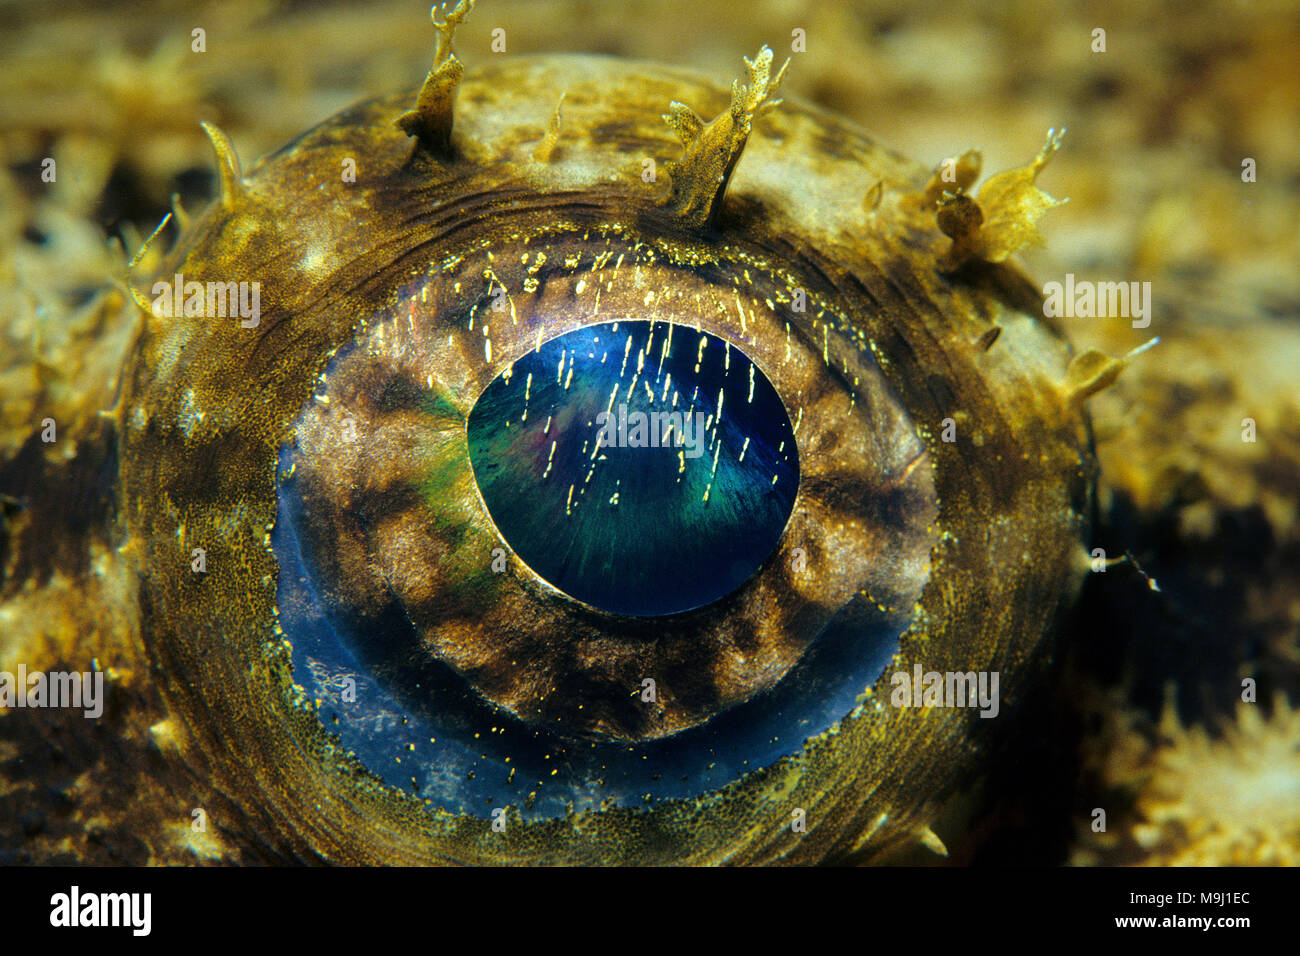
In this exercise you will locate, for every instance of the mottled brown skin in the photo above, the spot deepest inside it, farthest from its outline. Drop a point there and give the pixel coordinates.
(197, 658)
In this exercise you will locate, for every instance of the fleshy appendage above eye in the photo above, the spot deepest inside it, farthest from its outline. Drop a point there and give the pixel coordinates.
(497, 607)
(334, 461)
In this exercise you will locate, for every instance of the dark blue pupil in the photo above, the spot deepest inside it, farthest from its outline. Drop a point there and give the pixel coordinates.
(640, 467)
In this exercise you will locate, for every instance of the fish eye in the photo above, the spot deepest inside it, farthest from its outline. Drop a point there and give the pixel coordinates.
(651, 545)
(534, 469)
(566, 562)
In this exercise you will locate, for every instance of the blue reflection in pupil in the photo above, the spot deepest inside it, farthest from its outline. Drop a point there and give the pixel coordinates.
(640, 467)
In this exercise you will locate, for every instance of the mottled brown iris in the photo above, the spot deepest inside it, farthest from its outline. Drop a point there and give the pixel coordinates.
(389, 496)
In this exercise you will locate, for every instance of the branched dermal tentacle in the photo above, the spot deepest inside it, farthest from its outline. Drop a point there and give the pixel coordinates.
(430, 121)
(711, 151)
(1005, 218)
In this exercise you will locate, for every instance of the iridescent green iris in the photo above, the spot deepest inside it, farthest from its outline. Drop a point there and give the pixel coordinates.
(644, 468)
